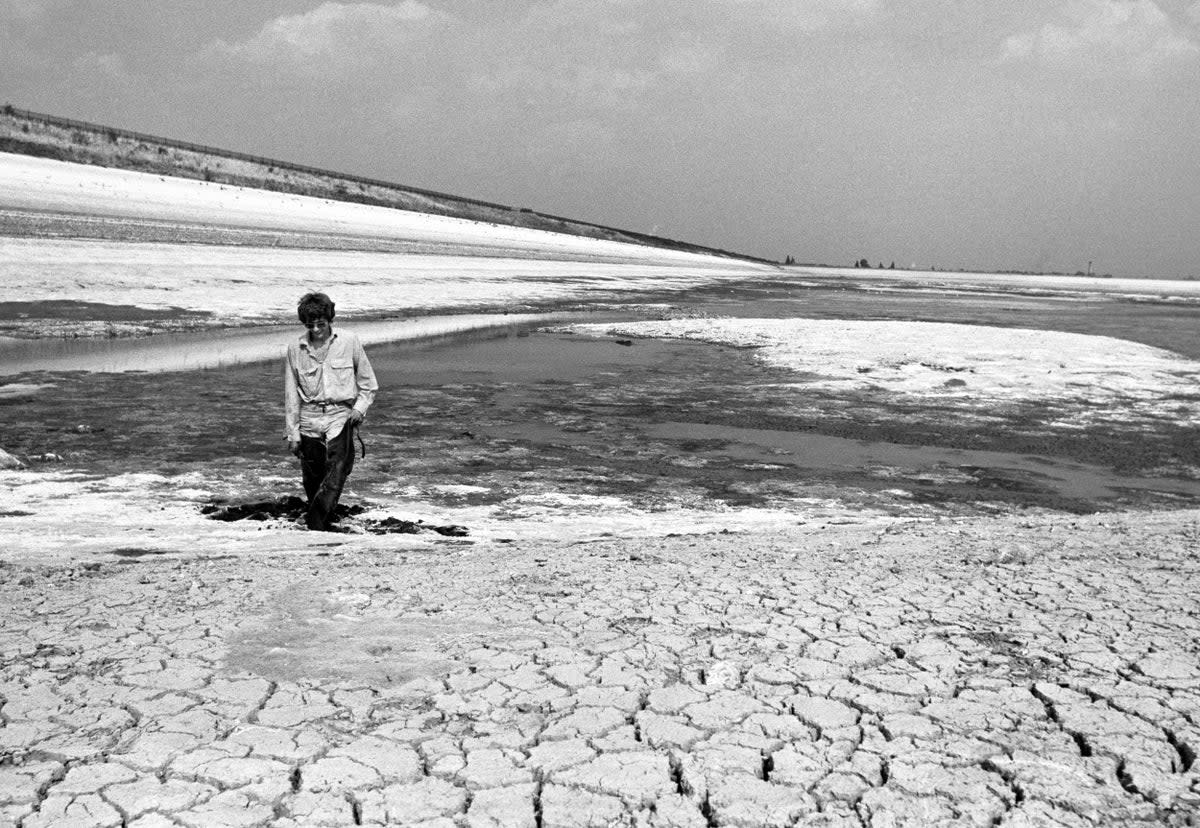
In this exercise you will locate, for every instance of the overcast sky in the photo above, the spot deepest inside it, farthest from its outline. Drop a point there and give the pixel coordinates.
(1028, 134)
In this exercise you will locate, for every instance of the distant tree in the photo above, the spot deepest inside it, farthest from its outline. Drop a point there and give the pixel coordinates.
(8, 109)
(893, 267)
(789, 260)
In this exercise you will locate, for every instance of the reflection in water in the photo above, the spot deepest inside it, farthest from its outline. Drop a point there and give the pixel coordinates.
(230, 346)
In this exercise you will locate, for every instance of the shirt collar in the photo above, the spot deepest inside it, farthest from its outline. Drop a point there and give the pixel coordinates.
(304, 343)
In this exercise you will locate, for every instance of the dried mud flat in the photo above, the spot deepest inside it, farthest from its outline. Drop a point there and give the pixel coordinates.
(972, 671)
(972, 656)
(900, 659)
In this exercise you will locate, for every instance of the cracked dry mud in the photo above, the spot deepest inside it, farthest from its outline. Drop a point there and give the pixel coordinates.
(1016, 671)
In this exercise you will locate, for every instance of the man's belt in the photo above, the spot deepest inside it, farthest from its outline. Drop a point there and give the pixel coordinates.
(325, 406)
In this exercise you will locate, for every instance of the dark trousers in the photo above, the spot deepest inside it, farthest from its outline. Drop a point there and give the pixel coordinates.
(325, 465)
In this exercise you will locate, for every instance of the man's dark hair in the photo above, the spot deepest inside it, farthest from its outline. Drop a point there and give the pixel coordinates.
(314, 306)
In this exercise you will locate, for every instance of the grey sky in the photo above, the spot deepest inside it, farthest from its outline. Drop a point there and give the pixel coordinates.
(1025, 134)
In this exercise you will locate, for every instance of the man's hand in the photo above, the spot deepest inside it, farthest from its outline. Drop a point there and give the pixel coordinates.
(294, 447)
(356, 416)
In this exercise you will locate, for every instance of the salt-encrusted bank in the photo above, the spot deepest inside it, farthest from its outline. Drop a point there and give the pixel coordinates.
(968, 366)
(473, 264)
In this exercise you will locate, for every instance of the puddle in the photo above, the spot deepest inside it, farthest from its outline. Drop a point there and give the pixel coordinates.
(72, 309)
(917, 464)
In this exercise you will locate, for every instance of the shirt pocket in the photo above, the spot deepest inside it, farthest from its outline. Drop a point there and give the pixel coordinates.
(339, 379)
(309, 379)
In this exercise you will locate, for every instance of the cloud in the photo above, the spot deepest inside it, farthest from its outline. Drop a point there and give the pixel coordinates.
(103, 65)
(688, 56)
(1105, 35)
(594, 55)
(332, 31)
(591, 85)
(624, 54)
(517, 70)
(809, 15)
(22, 39)
(25, 9)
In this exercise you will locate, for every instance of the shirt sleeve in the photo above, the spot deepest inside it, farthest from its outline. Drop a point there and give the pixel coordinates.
(291, 400)
(364, 378)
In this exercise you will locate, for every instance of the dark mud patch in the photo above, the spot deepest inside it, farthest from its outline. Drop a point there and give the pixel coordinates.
(291, 509)
(282, 508)
(1010, 652)
(14, 513)
(398, 526)
(139, 552)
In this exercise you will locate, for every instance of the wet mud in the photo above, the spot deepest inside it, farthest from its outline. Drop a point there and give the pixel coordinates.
(497, 418)
(138, 552)
(346, 518)
(660, 425)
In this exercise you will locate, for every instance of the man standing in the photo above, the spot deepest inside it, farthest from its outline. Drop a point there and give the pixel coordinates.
(328, 385)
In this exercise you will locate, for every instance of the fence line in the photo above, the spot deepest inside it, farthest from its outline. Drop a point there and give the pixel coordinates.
(115, 132)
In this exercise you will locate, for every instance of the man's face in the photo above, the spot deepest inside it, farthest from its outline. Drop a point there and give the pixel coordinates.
(318, 330)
